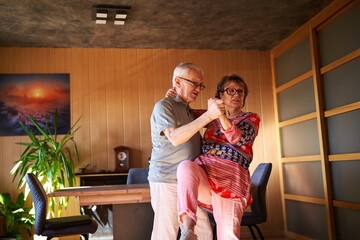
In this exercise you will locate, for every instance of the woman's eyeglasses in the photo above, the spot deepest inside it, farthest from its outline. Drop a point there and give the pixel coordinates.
(195, 84)
(231, 91)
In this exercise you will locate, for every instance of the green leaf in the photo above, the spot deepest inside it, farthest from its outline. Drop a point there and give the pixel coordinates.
(38, 127)
(20, 200)
(49, 158)
(28, 132)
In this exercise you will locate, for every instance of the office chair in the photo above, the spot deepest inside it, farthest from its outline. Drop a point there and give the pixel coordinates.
(56, 227)
(258, 214)
(137, 175)
(140, 215)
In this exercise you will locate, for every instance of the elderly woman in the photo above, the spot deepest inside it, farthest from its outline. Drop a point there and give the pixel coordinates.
(219, 178)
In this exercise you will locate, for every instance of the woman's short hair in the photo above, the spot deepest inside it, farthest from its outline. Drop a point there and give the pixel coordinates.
(183, 68)
(231, 78)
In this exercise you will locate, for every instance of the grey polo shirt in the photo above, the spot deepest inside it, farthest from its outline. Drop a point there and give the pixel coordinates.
(165, 157)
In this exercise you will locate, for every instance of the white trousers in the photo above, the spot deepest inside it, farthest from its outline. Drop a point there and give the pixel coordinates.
(166, 224)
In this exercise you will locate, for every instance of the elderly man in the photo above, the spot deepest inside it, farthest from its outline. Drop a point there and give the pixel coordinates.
(175, 138)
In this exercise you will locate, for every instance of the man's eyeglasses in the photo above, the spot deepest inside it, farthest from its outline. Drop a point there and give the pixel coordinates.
(231, 91)
(195, 84)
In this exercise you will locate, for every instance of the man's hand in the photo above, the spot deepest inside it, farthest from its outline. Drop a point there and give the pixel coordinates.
(216, 108)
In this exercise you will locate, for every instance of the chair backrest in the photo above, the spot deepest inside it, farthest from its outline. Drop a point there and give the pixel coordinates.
(259, 180)
(137, 175)
(40, 201)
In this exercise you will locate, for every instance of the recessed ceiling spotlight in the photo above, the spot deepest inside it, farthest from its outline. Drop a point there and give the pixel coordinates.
(102, 14)
(119, 22)
(100, 21)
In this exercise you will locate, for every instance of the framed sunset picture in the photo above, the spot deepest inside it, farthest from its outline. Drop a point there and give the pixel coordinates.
(35, 95)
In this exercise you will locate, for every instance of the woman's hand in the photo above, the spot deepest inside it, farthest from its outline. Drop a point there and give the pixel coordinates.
(171, 93)
(216, 108)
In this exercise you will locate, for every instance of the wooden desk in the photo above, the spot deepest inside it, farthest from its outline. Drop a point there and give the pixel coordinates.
(107, 194)
(131, 207)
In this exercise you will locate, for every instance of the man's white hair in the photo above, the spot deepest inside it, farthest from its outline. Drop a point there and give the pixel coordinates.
(183, 69)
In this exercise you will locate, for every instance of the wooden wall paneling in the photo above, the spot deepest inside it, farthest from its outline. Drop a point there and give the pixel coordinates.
(33, 63)
(11, 153)
(25, 64)
(236, 62)
(146, 103)
(23, 60)
(80, 103)
(45, 60)
(207, 63)
(97, 84)
(253, 101)
(63, 64)
(5, 62)
(114, 107)
(221, 67)
(221, 63)
(62, 60)
(251, 78)
(192, 55)
(176, 56)
(322, 132)
(275, 222)
(162, 75)
(130, 102)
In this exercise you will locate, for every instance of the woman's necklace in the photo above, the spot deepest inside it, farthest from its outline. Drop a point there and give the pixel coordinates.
(232, 115)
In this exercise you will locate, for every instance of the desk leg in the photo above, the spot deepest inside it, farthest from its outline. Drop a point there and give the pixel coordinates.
(133, 221)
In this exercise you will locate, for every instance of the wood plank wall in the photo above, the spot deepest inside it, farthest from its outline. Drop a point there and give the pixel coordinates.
(114, 91)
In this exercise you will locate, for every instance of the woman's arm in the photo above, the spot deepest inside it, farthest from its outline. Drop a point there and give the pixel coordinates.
(244, 131)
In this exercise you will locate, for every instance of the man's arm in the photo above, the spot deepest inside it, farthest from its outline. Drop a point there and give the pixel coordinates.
(179, 135)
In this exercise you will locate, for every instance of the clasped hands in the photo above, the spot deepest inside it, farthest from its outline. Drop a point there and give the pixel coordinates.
(216, 107)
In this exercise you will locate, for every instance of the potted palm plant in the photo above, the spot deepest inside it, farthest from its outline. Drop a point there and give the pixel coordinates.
(16, 216)
(49, 157)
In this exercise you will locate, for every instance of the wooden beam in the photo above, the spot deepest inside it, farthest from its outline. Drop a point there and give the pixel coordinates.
(294, 81)
(331, 12)
(337, 63)
(344, 157)
(278, 140)
(343, 109)
(349, 205)
(308, 158)
(299, 198)
(322, 133)
(302, 118)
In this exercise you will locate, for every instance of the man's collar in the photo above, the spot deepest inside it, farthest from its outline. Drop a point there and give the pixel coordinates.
(179, 99)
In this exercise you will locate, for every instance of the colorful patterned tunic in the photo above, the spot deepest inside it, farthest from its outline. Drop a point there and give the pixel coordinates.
(227, 154)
